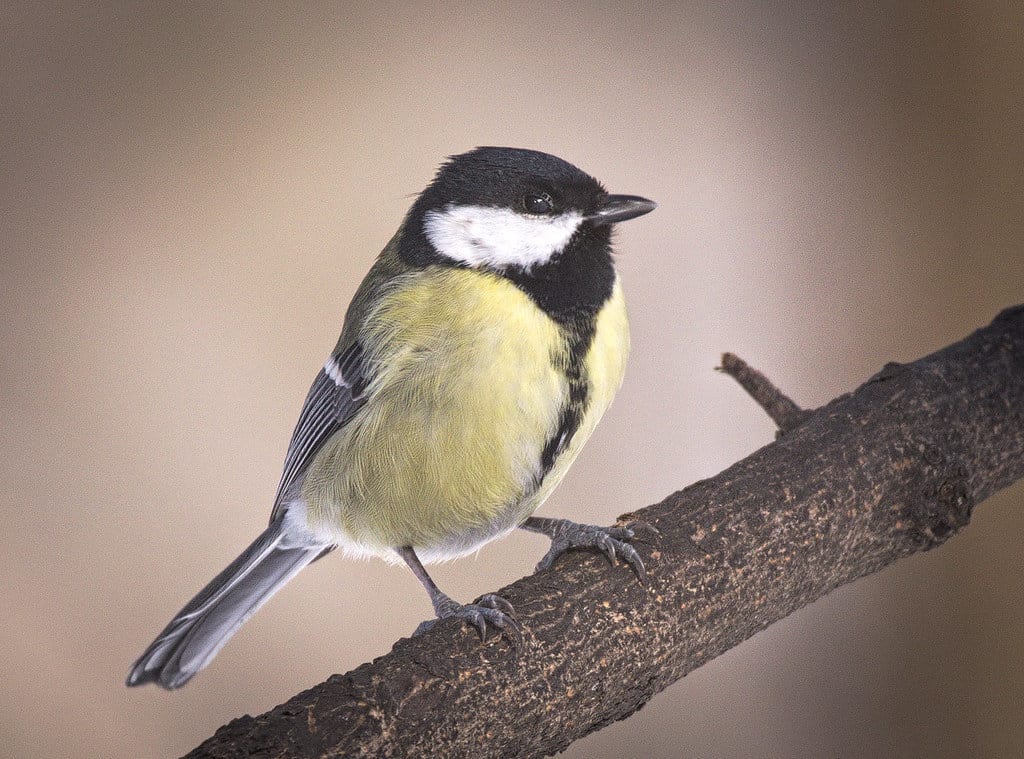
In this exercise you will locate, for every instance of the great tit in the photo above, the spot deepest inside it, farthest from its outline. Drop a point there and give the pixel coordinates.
(476, 358)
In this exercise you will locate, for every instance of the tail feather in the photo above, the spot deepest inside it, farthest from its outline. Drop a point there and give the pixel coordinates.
(208, 621)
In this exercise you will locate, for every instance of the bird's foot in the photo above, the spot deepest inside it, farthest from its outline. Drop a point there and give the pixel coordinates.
(566, 535)
(490, 609)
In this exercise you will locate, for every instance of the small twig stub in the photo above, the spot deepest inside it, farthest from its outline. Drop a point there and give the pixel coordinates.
(783, 411)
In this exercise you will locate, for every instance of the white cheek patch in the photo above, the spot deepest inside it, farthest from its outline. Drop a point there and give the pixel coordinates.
(498, 237)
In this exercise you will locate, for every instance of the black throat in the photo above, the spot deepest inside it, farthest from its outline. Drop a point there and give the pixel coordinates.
(573, 286)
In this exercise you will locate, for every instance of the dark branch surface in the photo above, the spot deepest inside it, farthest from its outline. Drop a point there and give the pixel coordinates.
(876, 475)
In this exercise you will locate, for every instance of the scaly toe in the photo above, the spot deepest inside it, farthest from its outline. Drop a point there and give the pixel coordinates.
(607, 544)
(494, 601)
(491, 610)
(548, 559)
(620, 533)
(500, 618)
(629, 555)
(611, 541)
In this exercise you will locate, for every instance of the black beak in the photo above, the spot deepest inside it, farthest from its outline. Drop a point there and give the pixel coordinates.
(620, 208)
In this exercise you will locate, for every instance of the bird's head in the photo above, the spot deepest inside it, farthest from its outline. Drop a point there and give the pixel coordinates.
(511, 210)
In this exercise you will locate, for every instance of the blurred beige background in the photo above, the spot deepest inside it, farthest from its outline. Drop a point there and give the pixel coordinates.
(190, 196)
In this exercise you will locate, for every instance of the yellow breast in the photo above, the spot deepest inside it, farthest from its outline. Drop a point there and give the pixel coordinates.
(465, 391)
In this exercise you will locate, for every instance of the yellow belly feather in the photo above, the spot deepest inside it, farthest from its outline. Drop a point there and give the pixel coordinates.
(445, 454)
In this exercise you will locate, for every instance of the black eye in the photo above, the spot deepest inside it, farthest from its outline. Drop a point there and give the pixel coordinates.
(537, 204)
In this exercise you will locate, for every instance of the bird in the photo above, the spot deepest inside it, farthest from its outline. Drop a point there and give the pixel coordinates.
(475, 360)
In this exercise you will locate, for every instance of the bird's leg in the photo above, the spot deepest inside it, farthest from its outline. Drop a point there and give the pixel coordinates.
(491, 608)
(613, 541)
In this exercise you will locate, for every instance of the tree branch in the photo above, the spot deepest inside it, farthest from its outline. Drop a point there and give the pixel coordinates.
(890, 469)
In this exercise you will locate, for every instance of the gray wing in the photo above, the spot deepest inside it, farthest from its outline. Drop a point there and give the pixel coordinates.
(337, 393)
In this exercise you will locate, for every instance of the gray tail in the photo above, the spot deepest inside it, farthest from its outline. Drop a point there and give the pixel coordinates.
(209, 620)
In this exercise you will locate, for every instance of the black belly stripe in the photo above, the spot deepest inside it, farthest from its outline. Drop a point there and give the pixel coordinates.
(579, 341)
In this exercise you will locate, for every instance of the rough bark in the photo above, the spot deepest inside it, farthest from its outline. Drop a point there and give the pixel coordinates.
(890, 469)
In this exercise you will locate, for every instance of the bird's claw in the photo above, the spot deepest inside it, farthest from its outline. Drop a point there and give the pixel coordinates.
(494, 601)
(490, 609)
(611, 541)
